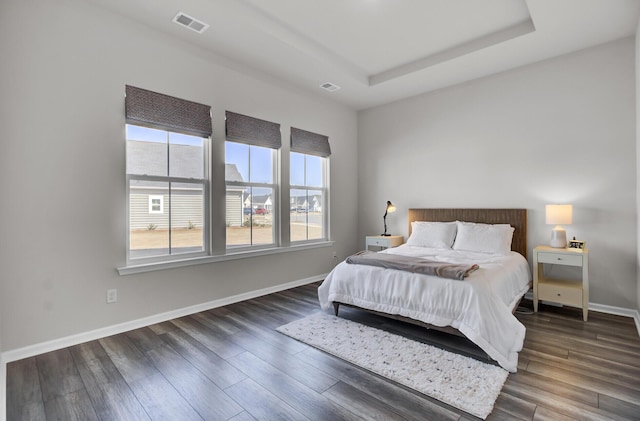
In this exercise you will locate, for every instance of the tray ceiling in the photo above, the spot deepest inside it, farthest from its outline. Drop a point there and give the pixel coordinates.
(378, 51)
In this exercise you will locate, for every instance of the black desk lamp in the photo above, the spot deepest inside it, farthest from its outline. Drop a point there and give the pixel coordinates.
(390, 208)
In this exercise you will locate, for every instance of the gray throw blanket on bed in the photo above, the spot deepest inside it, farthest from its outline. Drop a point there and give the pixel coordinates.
(412, 264)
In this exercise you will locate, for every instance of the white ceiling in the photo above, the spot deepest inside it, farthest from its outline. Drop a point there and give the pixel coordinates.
(380, 51)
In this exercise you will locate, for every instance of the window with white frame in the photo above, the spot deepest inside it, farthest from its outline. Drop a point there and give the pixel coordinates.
(167, 181)
(251, 152)
(168, 187)
(309, 191)
(156, 203)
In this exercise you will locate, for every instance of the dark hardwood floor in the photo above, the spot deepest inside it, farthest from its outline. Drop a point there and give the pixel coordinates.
(230, 364)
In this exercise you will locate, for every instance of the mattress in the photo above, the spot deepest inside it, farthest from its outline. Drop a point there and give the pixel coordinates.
(480, 307)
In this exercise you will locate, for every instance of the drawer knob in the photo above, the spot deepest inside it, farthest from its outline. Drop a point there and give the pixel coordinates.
(559, 258)
(559, 295)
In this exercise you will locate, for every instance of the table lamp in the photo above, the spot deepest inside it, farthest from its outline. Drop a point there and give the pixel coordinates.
(390, 208)
(558, 215)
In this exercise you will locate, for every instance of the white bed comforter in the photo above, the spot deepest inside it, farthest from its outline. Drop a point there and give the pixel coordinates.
(480, 306)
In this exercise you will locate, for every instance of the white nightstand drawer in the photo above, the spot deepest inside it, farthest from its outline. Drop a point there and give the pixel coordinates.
(383, 241)
(561, 293)
(379, 242)
(560, 258)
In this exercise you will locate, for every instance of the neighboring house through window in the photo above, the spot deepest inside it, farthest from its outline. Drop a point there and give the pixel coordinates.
(251, 168)
(167, 183)
(309, 192)
(168, 187)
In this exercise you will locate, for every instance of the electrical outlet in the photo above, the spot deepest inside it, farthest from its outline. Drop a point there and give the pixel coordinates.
(112, 296)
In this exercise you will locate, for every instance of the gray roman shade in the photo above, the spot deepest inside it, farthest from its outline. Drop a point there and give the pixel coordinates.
(309, 143)
(252, 131)
(149, 108)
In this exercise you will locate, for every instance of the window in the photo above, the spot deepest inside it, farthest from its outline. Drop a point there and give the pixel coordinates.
(167, 183)
(165, 171)
(156, 203)
(169, 223)
(309, 195)
(250, 175)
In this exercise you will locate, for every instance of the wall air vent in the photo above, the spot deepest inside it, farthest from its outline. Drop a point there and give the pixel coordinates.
(189, 22)
(328, 86)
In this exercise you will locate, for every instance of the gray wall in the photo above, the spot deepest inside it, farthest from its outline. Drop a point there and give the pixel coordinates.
(62, 131)
(558, 131)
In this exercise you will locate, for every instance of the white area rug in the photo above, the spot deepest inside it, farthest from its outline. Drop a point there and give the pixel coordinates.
(459, 381)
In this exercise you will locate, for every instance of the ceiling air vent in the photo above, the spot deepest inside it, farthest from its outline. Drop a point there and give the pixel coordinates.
(328, 86)
(191, 23)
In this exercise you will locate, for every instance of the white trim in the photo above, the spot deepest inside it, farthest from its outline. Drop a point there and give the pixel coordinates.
(37, 349)
(618, 311)
(55, 344)
(3, 388)
(603, 308)
(170, 264)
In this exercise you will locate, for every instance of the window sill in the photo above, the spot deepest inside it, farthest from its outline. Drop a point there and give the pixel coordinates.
(149, 267)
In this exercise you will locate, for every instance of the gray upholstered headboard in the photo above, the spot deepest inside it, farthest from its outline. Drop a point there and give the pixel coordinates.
(517, 218)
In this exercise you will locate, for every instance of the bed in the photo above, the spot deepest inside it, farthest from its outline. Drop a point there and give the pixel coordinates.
(480, 307)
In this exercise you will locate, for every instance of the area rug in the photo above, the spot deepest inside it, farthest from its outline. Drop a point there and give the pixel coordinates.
(459, 381)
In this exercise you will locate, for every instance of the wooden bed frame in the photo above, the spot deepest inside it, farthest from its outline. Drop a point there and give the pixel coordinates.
(517, 218)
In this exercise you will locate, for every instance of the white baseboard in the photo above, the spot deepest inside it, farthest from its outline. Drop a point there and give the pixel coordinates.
(603, 308)
(618, 311)
(3, 389)
(41, 348)
(37, 349)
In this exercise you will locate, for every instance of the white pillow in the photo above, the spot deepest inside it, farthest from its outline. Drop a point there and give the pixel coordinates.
(484, 238)
(438, 235)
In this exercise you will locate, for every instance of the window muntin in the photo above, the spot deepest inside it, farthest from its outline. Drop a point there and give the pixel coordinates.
(250, 195)
(308, 197)
(166, 172)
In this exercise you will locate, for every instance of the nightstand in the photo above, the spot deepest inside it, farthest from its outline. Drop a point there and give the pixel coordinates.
(382, 241)
(573, 293)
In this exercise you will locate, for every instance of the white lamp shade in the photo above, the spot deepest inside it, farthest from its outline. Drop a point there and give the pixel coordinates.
(559, 214)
